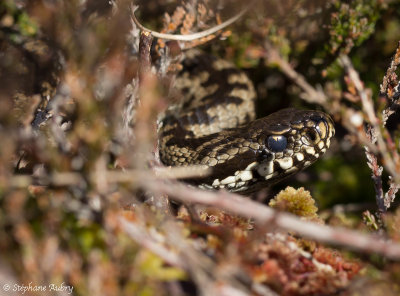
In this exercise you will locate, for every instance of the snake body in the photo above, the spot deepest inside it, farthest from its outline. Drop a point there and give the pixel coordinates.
(214, 125)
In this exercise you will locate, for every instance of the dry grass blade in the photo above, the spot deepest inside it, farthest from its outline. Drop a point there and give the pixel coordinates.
(194, 36)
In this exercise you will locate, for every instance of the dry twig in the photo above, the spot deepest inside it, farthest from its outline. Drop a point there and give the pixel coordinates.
(190, 37)
(391, 193)
(311, 94)
(390, 156)
(389, 80)
(376, 169)
(239, 205)
(236, 204)
(176, 250)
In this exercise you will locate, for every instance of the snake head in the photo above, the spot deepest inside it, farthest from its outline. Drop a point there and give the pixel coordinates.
(292, 143)
(272, 148)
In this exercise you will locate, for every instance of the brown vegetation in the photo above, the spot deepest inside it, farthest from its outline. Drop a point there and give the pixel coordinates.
(86, 204)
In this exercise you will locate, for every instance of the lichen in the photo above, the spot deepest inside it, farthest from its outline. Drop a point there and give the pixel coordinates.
(296, 201)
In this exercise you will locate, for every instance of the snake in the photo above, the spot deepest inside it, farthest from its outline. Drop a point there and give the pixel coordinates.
(214, 124)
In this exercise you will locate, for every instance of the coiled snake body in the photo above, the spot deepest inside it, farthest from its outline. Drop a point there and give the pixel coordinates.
(214, 125)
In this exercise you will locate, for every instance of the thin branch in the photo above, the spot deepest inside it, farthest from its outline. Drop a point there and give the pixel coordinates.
(60, 179)
(55, 179)
(376, 176)
(239, 205)
(391, 193)
(194, 36)
(311, 94)
(184, 172)
(390, 75)
(173, 247)
(368, 109)
(141, 236)
(145, 42)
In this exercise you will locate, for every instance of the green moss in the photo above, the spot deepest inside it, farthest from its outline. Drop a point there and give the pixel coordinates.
(298, 202)
(82, 237)
(154, 267)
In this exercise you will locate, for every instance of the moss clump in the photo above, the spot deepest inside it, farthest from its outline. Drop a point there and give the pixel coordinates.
(298, 202)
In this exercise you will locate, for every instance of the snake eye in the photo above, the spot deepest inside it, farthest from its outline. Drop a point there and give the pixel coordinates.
(276, 143)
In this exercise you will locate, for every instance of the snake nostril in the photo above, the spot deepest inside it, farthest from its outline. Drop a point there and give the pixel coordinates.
(312, 135)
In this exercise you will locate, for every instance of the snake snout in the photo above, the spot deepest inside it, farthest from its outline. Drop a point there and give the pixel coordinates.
(317, 134)
(323, 124)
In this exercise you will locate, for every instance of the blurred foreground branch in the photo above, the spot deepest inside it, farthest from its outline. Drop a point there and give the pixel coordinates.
(245, 207)
(236, 204)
